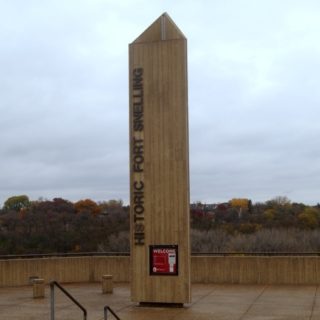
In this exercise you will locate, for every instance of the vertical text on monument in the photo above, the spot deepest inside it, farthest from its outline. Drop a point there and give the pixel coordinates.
(138, 155)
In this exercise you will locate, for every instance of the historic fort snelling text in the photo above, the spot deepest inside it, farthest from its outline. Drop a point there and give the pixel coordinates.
(138, 155)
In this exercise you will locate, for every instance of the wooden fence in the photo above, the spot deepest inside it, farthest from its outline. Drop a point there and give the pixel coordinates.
(256, 270)
(204, 269)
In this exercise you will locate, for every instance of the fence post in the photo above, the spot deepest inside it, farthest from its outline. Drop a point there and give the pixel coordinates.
(52, 300)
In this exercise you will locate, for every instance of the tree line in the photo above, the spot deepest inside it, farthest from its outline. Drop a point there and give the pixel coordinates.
(241, 216)
(58, 225)
(277, 225)
(62, 226)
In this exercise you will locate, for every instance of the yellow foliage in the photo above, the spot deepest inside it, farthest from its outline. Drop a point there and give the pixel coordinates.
(309, 218)
(269, 214)
(239, 203)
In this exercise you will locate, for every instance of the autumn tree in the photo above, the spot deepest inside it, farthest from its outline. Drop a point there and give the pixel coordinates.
(57, 205)
(269, 217)
(309, 218)
(111, 207)
(87, 206)
(241, 205)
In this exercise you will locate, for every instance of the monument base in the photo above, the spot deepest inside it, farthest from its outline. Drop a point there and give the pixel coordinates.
(160, 305)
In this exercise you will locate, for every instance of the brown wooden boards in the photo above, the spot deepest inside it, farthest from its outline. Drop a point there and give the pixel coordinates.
(159, 165)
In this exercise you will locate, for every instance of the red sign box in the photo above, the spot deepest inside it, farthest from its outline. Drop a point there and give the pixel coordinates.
(164, 260)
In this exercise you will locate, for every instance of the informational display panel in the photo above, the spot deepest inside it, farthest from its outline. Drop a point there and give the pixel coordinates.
(159, 165)
(164, 260)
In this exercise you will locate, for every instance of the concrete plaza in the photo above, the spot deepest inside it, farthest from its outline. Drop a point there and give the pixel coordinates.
(228, 302)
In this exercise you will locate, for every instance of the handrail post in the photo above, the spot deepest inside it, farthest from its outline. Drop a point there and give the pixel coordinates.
(106, 308)
(55, 283)
(52, 300)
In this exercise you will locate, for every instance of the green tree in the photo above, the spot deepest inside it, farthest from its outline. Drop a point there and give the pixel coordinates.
(16, 203)
(279, 201)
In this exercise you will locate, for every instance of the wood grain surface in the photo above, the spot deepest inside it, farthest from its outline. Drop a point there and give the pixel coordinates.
(161, 55)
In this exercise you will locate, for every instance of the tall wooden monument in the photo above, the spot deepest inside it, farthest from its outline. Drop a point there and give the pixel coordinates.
(159, 165)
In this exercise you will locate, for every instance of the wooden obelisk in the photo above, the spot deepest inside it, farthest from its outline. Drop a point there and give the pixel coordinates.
(159, 165)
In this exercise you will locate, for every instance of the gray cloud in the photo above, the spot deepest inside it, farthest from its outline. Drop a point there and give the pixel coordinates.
(253, 97)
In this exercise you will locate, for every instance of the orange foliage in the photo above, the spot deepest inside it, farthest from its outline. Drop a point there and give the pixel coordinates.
(87, 206)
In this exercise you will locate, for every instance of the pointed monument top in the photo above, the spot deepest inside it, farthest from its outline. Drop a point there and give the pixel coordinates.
(162, 29)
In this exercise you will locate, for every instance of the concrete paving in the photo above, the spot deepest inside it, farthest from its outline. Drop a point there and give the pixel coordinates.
(221, 302)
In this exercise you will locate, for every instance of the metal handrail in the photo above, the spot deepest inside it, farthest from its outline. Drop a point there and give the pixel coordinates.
(106, 308)
(55, 283)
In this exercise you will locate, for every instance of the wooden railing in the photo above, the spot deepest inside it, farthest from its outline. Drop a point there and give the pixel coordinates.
(242, 268)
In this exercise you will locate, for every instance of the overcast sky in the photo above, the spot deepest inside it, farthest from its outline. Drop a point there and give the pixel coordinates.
(254, 97)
